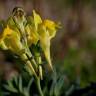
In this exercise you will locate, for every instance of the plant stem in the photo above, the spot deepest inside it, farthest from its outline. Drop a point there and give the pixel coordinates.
(28, 63)
(29, 54)
(24, 57)
(39, 86)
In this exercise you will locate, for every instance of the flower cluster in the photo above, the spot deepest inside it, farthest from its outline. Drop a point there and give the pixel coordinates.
(20, 32)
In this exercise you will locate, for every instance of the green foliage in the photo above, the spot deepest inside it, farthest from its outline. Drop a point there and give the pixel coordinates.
(16, 86)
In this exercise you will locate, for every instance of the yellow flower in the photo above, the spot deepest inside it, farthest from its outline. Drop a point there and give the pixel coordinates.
(49, 24)
(32, 28)
(45, 43)
(32, 35)
(51, 27)
(7, 32)
(11, 39)
(47, 30)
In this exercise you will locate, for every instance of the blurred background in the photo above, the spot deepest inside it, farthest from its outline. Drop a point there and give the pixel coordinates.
(73, 49)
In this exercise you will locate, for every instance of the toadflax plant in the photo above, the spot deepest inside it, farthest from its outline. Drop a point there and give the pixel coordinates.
(20, 32)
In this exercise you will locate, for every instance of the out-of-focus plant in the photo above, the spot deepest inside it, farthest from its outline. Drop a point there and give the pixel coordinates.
(16, 86)
(20, 32)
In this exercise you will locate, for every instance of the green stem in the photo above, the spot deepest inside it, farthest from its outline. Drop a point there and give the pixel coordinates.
(32, 59)
(28, 63)
(36, 77)
(24, 57)
(39, 86)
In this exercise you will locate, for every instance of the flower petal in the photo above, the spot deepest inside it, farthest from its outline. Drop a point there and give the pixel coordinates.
(37, 19)
(45, 43)
(51, 27)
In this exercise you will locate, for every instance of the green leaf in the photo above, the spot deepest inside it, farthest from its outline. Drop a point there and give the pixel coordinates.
(10, 88)
(29, 84)
(59, 85)
(20, 84)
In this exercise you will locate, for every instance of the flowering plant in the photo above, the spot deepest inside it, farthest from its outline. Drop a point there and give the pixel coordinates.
(22, 32)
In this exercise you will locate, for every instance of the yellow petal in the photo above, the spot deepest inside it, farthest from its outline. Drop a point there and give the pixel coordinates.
(51, 27)
(12, 39)
(37, 19)
(47, 55)
(3, 46)
(32, 35)
(49, 24)
(7, 31)
(45, 43)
